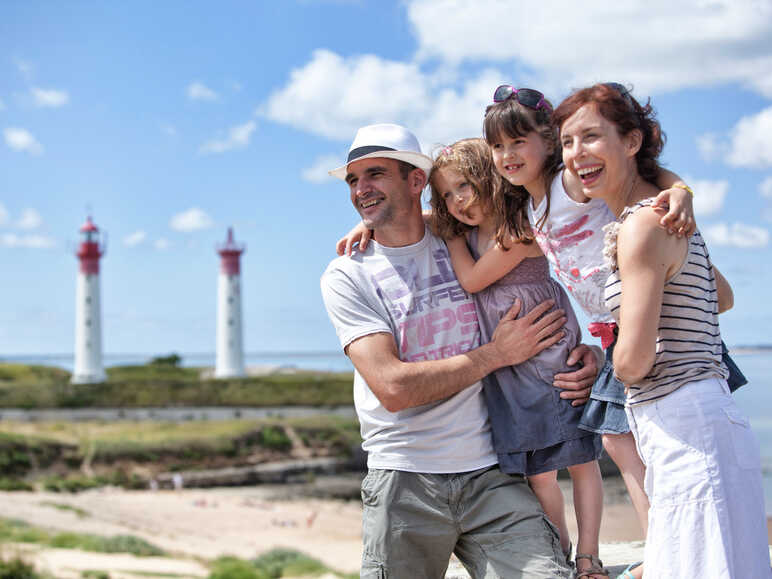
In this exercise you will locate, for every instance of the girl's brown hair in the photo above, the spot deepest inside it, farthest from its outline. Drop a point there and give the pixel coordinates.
(472, 158)
(514, 120)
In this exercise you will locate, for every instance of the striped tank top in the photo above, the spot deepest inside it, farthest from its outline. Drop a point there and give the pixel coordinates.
(688, 336)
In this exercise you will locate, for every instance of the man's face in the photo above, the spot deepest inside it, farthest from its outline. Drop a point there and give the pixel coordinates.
(379, 192)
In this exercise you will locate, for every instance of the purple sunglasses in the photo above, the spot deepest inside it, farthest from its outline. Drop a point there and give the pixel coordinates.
(528, 97)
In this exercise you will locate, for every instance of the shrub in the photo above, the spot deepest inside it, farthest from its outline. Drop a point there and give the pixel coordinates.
(275, 438)
(227, 567)
(17, 569)
(288, 563)
(14, 484)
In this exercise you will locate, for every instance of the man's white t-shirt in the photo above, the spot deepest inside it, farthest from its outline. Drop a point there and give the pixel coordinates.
(411, 293)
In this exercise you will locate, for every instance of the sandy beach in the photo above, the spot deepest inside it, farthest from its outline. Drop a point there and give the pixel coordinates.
(194, 524)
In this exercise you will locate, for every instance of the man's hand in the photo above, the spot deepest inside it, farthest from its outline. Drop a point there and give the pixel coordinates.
(517, 340)
(577, 385)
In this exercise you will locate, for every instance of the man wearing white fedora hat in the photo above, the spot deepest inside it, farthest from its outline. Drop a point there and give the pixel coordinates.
(433, 486)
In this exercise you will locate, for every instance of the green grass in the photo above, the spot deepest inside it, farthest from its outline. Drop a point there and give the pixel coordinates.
(12, 531)
(145, 441)
(166, 385)
(288, 563)
(17, 568)
(31, 374)
(13, 484)
(81, 513)
(113, 449)
(271, 565)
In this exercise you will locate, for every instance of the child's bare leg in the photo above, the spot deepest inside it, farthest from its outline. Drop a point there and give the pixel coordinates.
(545, 487)
(622, 450)
(588, 505)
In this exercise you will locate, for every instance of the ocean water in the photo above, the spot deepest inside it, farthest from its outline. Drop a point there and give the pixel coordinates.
(755, 399)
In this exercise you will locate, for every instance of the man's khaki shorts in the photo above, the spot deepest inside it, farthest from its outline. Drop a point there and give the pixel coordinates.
(412, 522)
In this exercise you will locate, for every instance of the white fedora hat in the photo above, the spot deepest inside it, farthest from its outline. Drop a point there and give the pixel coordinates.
(385, 140)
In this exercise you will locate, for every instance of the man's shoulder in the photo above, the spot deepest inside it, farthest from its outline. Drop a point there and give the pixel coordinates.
(348, 263)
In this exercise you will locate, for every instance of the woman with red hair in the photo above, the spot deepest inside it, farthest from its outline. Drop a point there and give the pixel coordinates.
(703, 469)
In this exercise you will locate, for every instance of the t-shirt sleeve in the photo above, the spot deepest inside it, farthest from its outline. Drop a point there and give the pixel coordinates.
(350, 312)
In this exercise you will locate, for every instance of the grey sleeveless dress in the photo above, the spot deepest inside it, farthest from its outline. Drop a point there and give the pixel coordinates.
(534, 430)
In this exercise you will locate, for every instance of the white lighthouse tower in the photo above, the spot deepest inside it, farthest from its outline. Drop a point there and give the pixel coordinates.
(88, 317)
(230, 351)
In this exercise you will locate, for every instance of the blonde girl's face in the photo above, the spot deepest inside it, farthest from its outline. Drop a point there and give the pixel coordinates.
(455, 191)
(520, 160)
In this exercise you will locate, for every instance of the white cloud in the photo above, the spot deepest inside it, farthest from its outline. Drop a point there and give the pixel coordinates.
(750, 142)
(573, 44)
(162, 244)
(317, 173)
(134, 239)
(765, 187)
(711, 146)
(22, 140)
(238, 138)
(49, 98)
(708, 196)
(332, 96)
(3, 215)
(740, 235)
(30, 219)
(11, 240)
(193, 219)
(198, 91)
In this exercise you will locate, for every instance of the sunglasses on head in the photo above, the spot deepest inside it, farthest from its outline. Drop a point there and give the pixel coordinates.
(622, 90)
(527, 97)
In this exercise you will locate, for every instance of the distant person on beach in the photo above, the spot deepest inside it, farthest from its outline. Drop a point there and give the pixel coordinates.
(433, 487)
(703, 469)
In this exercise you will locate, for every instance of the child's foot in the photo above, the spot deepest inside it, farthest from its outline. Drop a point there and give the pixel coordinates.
(589, 567)
(633, 571)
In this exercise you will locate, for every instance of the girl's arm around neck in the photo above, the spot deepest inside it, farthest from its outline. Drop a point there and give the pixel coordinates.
(475, 276)
(675, 203)
(646, 256)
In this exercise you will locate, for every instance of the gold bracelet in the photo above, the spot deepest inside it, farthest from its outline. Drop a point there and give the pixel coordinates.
(685, 188)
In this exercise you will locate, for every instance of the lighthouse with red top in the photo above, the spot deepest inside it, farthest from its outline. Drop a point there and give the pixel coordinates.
(88, 317)
(229, 362)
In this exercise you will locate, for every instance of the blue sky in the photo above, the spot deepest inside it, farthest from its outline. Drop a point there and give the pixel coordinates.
(170, 121)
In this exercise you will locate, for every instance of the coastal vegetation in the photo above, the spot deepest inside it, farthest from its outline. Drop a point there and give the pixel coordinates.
(76, 456)
(159, 384)
(12, 531)
(270, 565)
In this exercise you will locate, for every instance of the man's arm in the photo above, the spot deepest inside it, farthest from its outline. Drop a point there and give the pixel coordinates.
(400, 385)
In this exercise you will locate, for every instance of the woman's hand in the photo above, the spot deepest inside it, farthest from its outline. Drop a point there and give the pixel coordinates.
(359, 235)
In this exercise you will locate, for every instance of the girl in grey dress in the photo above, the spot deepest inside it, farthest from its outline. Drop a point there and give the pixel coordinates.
(535, 431)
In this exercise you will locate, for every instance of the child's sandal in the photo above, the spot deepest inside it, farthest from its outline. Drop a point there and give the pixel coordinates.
(596, 566)
(627, 573)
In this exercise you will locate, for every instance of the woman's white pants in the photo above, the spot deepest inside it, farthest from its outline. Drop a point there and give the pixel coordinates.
(703, 479)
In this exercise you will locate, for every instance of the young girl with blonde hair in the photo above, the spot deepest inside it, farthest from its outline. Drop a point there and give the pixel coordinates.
(535, 431)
